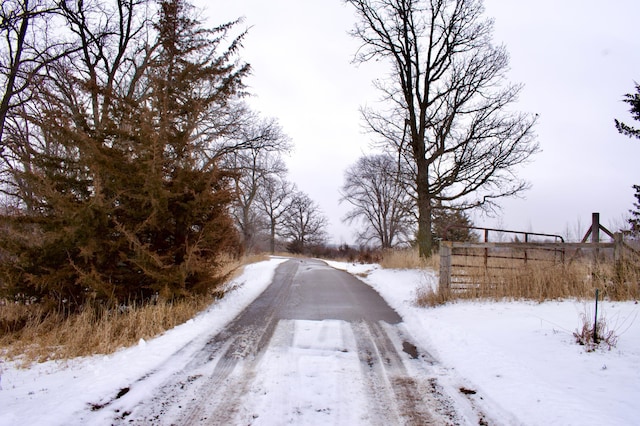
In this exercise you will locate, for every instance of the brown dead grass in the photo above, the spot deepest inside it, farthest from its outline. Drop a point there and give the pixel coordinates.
(408, 259)
(92, 331)
(541, 281)
(29, 334)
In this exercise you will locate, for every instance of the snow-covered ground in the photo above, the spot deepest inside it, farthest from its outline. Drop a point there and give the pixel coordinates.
(519, 356)
(522, 355)
(52, 393)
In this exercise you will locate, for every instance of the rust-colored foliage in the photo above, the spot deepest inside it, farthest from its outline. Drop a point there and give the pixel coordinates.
(124, 200)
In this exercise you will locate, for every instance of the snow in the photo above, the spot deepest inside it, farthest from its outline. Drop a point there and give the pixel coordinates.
(307, 382)
(520, 356)
(52, 392)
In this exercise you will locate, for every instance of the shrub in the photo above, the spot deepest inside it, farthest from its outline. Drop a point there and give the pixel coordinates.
(602, 336)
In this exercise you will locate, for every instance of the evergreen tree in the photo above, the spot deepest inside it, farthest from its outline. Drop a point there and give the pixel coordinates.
(451, 225)
(125, 199)
(632, 99)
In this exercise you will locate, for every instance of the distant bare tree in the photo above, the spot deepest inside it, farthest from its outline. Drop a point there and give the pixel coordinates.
(304, 224)
(254, 161)
(375, 189)
(274, 201)
(448, 102)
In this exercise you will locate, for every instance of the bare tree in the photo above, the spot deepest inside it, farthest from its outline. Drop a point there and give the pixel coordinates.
(274, 201)
(253, 154)
(448, 113)
(304, 224)
(374, 187)
(27, 48)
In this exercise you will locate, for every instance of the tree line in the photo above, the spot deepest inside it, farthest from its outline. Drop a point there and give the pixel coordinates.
(130, 166)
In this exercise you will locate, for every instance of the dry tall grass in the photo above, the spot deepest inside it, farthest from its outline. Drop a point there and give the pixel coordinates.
(92, 331)
(541, 281)
(30, 334)
(408, 259)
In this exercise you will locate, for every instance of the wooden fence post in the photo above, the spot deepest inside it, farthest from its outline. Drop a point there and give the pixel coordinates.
(595, 234)
(595, 227)
(445, 267)
(486, 250)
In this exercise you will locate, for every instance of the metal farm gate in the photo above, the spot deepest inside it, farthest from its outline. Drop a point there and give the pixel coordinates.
(462, 264)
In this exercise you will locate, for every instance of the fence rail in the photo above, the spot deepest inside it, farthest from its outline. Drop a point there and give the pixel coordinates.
(459, 260)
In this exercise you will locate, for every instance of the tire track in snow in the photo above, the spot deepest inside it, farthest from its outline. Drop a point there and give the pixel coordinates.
(250, 334)
(206, 389)
(397, 397)
(280, 350)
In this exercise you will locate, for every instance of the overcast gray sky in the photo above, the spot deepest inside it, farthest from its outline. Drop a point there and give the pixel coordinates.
(576, 58)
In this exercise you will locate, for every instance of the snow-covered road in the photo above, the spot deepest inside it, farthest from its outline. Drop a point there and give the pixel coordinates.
(317, 346)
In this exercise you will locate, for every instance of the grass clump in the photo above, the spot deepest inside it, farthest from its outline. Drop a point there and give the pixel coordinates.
(43, 336)
(426, 296)
(593, 336)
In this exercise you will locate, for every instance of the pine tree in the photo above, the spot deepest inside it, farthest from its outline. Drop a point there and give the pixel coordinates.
(632, 99)
(125, 199)
(451, 225)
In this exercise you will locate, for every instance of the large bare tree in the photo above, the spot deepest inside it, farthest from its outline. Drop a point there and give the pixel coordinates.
(448, 110)
(375, 189)
(274, 197)
(254, 164)
(305, 224)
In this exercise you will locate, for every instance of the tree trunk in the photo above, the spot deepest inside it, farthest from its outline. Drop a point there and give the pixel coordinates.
(13, 72)
(425, 237)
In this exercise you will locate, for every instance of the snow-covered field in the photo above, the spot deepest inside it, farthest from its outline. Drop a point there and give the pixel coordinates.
(519, 356)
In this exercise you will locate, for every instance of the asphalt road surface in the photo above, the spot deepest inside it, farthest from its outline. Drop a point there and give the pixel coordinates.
(318, 346)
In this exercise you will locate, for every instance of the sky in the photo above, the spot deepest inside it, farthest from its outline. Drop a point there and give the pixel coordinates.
(575, 58)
